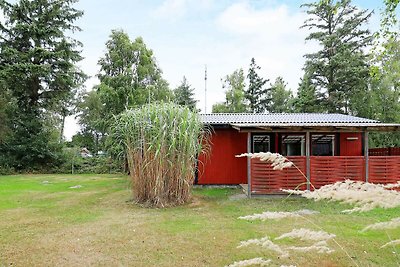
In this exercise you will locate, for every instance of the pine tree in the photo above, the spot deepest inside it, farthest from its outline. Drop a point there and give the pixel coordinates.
(340, 69)
(307, 100)
(38, 66)
(281, 97)
(183, 95)
(257, 95)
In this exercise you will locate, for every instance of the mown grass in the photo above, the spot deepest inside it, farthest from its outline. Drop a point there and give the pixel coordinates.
(45, 222)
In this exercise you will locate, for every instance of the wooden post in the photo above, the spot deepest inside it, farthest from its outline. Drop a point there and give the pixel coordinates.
(366, 155)
(308, 171)
(248, 165)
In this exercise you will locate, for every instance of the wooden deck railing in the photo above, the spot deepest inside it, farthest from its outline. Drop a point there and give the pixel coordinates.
(265, 180)
(328, 170)
(384, 151)
(384, 170)
(323, 170)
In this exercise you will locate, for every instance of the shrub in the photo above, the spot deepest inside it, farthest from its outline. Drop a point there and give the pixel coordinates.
(75, 163)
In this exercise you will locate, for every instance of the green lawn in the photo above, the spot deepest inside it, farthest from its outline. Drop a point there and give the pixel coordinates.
(45, 222)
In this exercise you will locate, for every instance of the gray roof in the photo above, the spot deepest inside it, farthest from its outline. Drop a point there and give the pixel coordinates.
(247, 120)
(272, 118)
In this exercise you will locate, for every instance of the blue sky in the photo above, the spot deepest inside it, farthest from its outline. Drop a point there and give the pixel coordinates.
(186, 35)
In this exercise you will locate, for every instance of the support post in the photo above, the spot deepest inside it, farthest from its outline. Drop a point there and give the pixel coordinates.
(366, 155)
(308, 165)
(249, 165)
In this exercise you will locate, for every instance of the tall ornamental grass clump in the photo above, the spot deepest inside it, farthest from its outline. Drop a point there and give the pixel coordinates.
(161, 142)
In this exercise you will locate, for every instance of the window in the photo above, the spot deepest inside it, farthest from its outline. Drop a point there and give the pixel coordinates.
(261, 143)
(323, 145)
(293, 145)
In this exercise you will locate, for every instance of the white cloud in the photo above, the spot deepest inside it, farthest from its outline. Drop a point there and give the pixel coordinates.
(271, 35)
(177, 9)
(171, 9)
(241, 18)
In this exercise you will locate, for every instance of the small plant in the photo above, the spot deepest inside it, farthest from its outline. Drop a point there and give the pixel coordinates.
(161, 142)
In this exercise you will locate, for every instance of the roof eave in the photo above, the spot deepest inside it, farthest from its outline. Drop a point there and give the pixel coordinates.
(318, 127)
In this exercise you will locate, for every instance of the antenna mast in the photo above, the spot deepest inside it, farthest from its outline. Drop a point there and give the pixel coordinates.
(205, 90)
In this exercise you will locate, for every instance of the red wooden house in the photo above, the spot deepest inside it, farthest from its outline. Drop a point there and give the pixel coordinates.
(325, 147)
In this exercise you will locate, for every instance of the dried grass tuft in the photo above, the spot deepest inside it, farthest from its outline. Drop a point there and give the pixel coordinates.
(266, 243)
(319, 247)
(278, 162)
(276, 215)
(392, 186)
(251, 262)
(307, 235)
(392, 224)
(365, 196)
(391, 243)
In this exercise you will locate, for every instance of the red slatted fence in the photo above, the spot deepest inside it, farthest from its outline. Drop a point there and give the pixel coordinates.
(384, 170)
(265, 180)
(329, 170)
(323, 170)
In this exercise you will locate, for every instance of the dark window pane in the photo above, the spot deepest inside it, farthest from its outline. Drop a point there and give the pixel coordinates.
(293, 145)
(261, 143)
(323, 145)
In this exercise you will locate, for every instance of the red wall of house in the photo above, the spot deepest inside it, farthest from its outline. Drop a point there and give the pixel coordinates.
(220, 165)
(351, 147)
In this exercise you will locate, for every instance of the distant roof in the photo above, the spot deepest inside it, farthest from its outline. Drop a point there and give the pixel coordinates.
(287, 120)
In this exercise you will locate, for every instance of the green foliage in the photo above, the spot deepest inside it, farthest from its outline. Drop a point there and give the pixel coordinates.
(84, 139)
(281, 97)
(6, 110)
(389, 19)
(32, 146)
(385, 93)
(183, 95)
(257, 95)
(307, 100)
(340, 68)
(37, 67)
(37, 58)
(74, 163)
(234, 84)
(162, 142)
(129, 75)
(91, 119)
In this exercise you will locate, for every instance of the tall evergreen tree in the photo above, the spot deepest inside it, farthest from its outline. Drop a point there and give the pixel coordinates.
(256, 93)
(183, 95)
(308, 100)
(234, 84)
(281, 97)
(339, 69)
(38, 66)
(5, 113)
